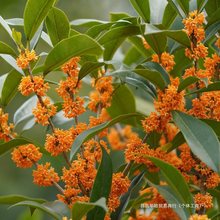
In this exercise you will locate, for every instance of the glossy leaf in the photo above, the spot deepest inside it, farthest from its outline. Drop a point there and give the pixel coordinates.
(180, 187)
(170, 198)
(119, 103)
(187, 82)
(39, 206)
(169, 16)
(86, 135)
(211, 87)
(7, 146)
(10, 87)
(117, 215)
(6, 49)
(143, 8)
(34, 14)
(102, 186)
(57, 25)
(153, 77)
(89, 67)
(201, 139)
(80, 209)
(12, 199)
(66, 49)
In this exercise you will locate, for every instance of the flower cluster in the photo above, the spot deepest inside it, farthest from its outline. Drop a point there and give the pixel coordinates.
(165, 59)
(44, 111)
(73, 105)
(26, 155)
(33, 84)
(25, 58)
(6, 129)
(45, 175)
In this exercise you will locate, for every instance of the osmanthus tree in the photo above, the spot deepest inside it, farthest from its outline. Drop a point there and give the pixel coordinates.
(167, 57)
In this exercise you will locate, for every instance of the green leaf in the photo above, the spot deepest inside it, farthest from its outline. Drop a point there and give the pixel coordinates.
(211, 87)
(169, 195)
(89, 67)
(211, 7)
(180, 187)
(10, 87)
(102, 186)
(88, 134)
(97, 30)
(187, 82)
(12, 199)
(201, 139)
(117, 215)
(58, 26)
(178, 35)
(169, 16)
(214, 17)
(181, 7)
(201, 4)
(4, 24)
(86, 22)
(143, 8)
(66, 49)
(39, 206)
(119, 103)
(34, 14)
(176, 142)
(7, 146)
(113, 38)
(12, 62)
(80, 209)
(153, 76)
(17, 36)
(215, 125)
(6, 49)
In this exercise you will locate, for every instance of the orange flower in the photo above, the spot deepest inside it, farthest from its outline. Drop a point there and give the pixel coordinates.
(199, 217)
(212, 64)
(154, 122)
(5, 129)
(102, 95)
(170, 99)
(166, 60)
(217, 43)
(43, 112)
(197, 52)
(67, 88)
(194, 25)
(35, 84)
(71, 195)
(25, 58)
(59, 142)
(80, 127)
(146, 45)
(82, 172)
(213, 180)
(203, 200)
(70, 67)
(120, 185)
(26, 155)
(45, 175)
(73, 108)
(207, 106)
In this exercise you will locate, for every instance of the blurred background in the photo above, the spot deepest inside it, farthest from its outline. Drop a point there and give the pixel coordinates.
(19, 181)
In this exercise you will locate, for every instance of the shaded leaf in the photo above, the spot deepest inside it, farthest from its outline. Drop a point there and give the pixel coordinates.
(187, 82)
(102, 186)
(10, 87)
(34, 14)
(66, 49)
(80, 209)
(180, 187)
(6, 49)
(117, 215)
(57, 25)
(39, 206)
(201, 139)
